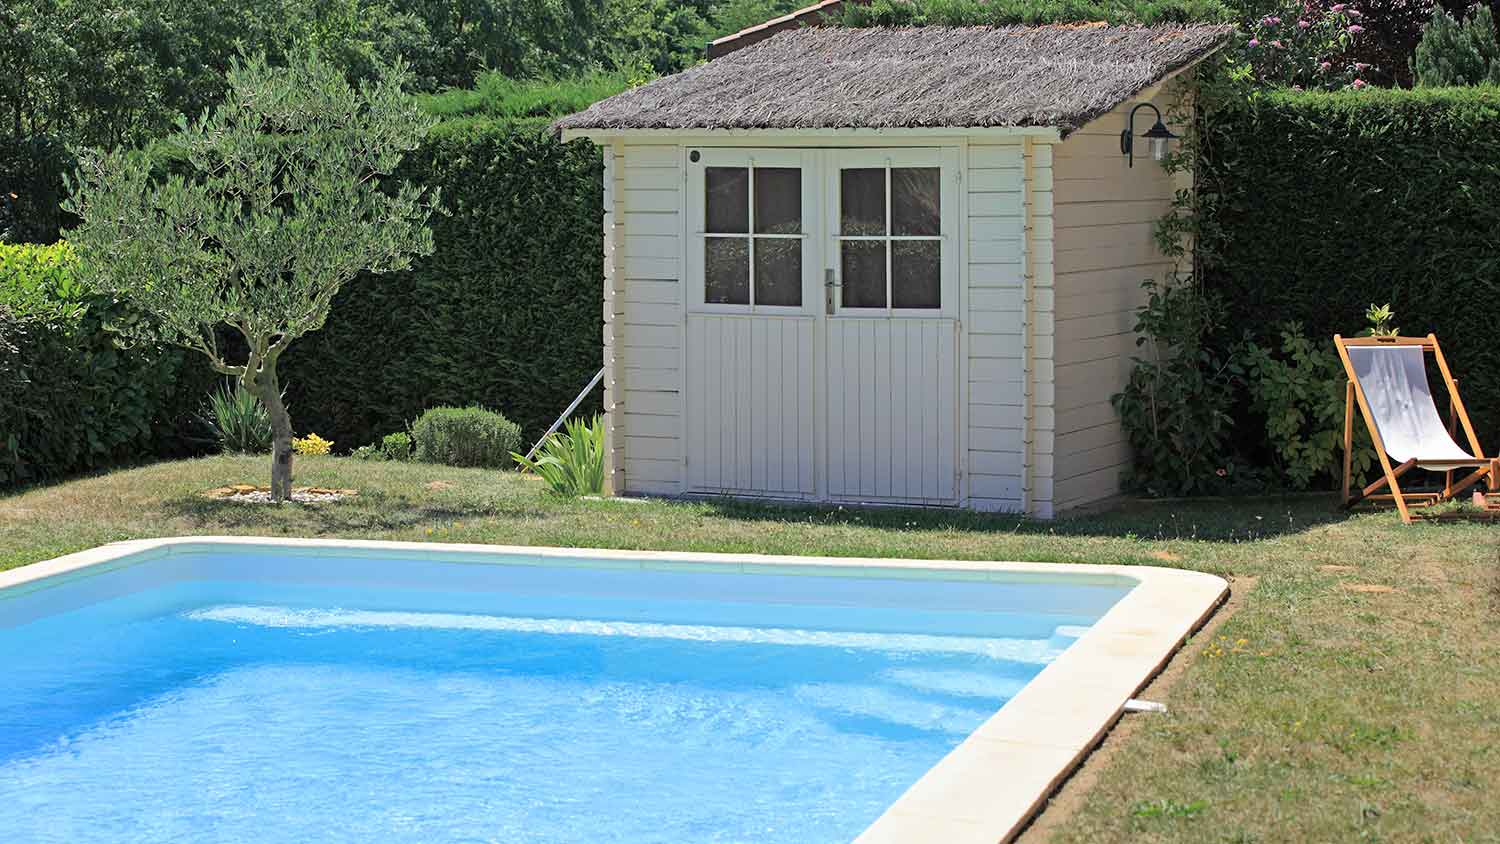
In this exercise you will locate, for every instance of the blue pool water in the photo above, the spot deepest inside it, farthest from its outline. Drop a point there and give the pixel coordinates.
(227, 694)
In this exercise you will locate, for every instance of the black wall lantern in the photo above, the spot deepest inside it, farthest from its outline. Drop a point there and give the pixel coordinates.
(1158, 135)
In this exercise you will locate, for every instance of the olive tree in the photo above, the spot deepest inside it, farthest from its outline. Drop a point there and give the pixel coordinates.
(278, 202)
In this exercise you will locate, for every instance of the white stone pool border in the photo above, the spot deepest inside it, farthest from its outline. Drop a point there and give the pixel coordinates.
(987, 788)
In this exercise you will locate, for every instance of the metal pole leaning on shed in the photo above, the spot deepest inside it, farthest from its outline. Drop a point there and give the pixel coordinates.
(577, 400)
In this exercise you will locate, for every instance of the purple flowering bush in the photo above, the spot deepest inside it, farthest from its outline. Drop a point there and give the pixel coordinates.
(1307, 46)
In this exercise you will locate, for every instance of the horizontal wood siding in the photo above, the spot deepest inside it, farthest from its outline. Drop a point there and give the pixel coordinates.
(650, 318)
(1104, 215)
(994, 328)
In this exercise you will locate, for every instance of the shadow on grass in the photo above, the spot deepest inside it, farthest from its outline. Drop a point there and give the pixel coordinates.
(1218, 520)
(368, 512)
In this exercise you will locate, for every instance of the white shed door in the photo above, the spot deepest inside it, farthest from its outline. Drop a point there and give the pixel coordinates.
(752, 325)
(891, 328)
(822, 335)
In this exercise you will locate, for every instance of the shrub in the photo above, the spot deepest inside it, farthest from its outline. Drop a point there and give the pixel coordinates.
(1453, 53)
(465, 436)
(1297, 45)
(1175, 408)
(571, 462)
(1323, 202)
(1299, 389)
(367, 452)
(508, 305)
(79, 398)
(238, 421)
(396, 446)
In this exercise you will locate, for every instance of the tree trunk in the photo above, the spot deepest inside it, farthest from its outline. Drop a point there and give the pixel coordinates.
(269, 391)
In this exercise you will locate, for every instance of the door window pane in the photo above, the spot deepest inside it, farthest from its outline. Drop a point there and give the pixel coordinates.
(726, 270)
(916, 274)
(862, 201)
(778, 270)
(726, 200)
(778, 200)
(916, 197)
(863, 263)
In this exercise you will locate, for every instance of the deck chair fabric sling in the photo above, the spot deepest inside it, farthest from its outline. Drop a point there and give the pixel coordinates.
(1388, 380)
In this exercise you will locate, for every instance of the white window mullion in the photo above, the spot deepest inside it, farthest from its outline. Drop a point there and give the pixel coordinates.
(750, 229)
(889, 300)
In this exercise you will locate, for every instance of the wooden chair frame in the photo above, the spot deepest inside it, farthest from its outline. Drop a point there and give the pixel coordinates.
(1355, 394)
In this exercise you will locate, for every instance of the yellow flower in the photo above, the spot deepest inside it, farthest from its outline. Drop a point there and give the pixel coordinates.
(311, 444)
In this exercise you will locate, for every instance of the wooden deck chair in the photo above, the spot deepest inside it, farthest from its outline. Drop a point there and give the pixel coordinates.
(1388, 380)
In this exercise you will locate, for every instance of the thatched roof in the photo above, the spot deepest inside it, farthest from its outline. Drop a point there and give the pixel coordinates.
(837, 78)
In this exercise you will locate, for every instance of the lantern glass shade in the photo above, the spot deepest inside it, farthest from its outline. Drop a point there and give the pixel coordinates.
(1159, 135)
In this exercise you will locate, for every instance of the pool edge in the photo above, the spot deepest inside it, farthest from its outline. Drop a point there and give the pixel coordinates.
(986, 789)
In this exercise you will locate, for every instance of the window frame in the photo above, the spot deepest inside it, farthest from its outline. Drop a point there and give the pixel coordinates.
(946, 161)
(695, 211)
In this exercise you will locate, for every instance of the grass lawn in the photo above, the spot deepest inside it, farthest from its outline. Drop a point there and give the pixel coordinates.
(1354, 694)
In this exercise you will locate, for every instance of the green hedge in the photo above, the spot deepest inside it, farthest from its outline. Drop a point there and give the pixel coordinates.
(1327, 203)
(506, 313)
(71, 398)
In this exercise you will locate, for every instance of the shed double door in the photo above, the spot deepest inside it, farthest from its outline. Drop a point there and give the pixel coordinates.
(822, 332)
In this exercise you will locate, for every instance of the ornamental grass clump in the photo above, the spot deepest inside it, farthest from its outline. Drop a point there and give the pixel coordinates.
(571, 462)
(239, 421)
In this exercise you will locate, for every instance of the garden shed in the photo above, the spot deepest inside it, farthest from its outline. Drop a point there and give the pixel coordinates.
(885, 265)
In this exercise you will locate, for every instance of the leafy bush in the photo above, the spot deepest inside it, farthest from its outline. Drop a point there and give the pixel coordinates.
(497, 96)
(1453, 53)
(1299, 389)
(465, 436)
(1306, 47)
(79, 399)
(238, 421)
(396, 446)
(1175, 408)
(507, 306)
(311, 444)
(571, 462)
(1323, 202)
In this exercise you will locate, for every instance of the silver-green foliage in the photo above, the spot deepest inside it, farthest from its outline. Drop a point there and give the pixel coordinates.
(281, 204)
(1453, 53)
(571, 462)
(464, 436)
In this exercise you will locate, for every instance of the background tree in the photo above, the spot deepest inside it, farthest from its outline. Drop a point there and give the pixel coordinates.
(1453, 53)
(281, 206)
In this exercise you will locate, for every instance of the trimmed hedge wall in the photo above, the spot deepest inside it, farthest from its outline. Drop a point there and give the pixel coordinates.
(1330, 202)
(71, 398)
(507, 313)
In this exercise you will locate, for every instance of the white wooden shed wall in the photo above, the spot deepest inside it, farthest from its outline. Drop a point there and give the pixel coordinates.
(1105, 214)
(1055, 240)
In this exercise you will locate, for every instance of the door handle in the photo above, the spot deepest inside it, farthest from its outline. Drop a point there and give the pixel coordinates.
(829, 285)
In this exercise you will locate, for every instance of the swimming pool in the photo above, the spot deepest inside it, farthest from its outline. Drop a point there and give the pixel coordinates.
(294, 691)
